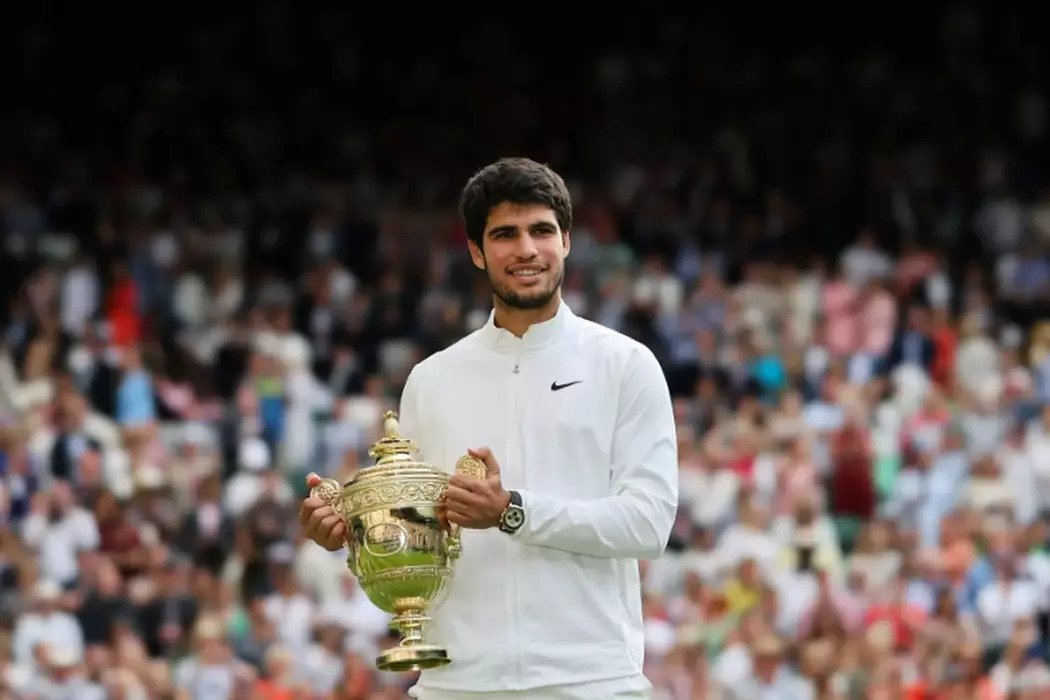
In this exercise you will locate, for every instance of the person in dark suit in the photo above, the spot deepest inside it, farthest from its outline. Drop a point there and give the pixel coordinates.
(71, 441)
(95, 375)
(165, 620)
(913, 344)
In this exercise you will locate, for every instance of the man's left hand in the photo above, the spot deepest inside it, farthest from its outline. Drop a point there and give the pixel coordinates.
(474, 502)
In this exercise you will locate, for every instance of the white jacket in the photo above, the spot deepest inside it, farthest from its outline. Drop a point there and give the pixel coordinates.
(596, 462)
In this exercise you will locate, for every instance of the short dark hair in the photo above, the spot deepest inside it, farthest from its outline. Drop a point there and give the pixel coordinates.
(517, 180)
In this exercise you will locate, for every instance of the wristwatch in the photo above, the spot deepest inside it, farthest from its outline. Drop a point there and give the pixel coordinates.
(513, 516)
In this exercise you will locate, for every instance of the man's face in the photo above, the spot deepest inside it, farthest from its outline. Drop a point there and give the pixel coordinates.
(523, 253)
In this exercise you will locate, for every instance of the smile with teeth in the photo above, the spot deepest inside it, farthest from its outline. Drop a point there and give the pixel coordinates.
(526, 272)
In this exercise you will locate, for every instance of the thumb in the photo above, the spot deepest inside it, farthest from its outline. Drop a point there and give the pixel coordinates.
(312, 479)
(485, 455)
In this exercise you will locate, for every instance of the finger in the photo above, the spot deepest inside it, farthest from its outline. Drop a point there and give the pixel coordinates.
(460, 518)
(313, 523)
(486, 456)
(310, 505)
(312, 480)
(336, 540)
(330, 527)
(455, 497)
(467, 483)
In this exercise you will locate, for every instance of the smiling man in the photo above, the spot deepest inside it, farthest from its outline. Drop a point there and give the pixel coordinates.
(574, 423)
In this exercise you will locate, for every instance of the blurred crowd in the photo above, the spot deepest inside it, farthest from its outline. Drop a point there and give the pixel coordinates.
(844, 269)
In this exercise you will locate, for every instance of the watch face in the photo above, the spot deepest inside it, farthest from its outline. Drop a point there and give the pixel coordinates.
(514, 518)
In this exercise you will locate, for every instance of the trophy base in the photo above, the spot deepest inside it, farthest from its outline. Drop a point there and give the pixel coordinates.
(412, 658)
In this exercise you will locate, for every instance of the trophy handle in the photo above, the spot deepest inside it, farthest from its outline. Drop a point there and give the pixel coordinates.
(351, 562)
(453, 546)
(328, 491)
(471, 466)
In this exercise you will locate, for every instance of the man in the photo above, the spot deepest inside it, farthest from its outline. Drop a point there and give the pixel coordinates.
(913, 344)
(575, 425)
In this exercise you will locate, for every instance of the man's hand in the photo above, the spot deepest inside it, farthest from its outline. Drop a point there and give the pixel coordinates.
(476, 503)
(320, 521)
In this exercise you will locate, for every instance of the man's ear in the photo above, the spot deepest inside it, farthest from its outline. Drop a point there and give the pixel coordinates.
(566, 242)
(476, 255)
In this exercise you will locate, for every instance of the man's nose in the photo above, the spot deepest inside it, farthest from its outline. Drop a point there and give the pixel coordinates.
(527, 248)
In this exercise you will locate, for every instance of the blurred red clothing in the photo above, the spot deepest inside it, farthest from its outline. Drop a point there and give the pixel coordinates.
(921, 691)
(744, 467)
(122, 313)
(852, 485)
(269, 690)
(118, 537)
(945, 342)
(904, 618)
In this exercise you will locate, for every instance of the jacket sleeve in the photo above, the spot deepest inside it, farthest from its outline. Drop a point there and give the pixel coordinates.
(635, 520)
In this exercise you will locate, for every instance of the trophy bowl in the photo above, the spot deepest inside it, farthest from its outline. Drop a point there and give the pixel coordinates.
(399, 552)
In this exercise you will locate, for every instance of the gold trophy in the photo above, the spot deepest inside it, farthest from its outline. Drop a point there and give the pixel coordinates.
(401, 555)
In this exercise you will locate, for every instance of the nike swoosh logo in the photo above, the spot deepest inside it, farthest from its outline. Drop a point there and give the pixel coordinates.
(555, 386)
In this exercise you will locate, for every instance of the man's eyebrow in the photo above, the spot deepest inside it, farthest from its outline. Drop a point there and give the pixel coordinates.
(542, 223)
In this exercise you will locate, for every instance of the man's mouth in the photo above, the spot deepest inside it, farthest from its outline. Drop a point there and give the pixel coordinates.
(527, 271)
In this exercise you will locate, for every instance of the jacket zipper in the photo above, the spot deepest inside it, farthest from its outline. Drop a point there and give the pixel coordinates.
(514, 429)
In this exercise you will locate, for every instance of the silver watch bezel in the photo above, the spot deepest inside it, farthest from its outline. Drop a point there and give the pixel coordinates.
(505, 524)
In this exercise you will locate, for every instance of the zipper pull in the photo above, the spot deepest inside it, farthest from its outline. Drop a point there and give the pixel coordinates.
(516, 368)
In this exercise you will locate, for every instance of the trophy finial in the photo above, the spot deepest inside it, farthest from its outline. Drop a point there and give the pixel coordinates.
(390, 424)
(392, 446)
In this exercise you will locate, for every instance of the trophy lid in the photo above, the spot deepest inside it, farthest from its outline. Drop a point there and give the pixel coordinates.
(392, 447)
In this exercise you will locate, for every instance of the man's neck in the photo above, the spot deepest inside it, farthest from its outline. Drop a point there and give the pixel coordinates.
(517, 321)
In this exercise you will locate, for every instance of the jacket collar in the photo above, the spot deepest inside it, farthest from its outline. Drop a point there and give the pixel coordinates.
(537, 335)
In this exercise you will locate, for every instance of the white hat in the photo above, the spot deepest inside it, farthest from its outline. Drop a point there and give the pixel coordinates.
(295, 352)
(46, 590)
(150, 476)
(253, 455)
(208, 627)
(63, 657)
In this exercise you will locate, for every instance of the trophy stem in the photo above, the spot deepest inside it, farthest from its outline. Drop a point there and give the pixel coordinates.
(410, 625)
(411, 654)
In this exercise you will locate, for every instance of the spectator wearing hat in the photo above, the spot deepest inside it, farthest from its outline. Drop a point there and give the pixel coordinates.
(59, 530)
(319, 668)
(248, 483)
(64, 677)
(278, 680)
(210, 670)
(46, 623)
(771, 675)
(287, 606)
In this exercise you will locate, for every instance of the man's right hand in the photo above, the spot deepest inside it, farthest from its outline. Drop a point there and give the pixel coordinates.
(320, 521)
